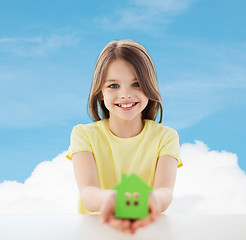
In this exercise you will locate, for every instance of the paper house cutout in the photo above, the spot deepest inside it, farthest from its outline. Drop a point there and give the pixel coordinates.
(132, 198)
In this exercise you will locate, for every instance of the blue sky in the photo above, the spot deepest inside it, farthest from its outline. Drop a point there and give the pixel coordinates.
(48, 50)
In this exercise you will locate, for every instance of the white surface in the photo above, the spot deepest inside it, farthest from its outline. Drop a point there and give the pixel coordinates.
(170, 227)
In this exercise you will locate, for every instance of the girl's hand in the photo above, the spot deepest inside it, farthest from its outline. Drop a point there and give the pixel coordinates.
(127, 225)
(154, 213)
(107, 214)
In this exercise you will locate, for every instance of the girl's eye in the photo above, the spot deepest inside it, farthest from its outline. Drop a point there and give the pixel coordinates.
(136, 84)
(113, 85)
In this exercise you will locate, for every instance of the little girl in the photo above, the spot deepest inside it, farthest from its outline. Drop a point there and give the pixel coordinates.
(124, 102)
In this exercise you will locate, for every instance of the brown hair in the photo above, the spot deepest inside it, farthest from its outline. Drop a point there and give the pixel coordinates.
(138, 57)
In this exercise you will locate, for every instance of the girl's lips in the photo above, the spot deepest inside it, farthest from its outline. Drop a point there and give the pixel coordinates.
(127, 108)
(126, 103)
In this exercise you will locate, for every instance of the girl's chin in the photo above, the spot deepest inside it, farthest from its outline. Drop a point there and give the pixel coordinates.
(125, 118)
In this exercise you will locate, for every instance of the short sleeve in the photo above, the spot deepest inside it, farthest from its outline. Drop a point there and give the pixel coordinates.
(79, 141)
(169, 145)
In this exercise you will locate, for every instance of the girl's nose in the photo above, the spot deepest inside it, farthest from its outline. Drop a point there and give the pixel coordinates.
(125, 94)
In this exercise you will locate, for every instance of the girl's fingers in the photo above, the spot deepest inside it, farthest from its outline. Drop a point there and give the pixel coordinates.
(120, 224)
(105, 214)
(140, 223)
(154, 208)
(107, 208)
(129, 226)
(126, 224)
(154, 212)
(115, 223)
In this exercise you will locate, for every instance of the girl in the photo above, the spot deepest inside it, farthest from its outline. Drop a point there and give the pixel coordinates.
(124, 102)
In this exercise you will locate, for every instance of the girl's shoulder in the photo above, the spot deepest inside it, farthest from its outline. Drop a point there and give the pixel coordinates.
(90, 127)
(159, 128)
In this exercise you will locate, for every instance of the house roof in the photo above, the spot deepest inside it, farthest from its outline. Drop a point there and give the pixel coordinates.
(132, 182)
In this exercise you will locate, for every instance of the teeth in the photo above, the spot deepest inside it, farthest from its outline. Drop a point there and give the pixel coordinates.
(126, 105)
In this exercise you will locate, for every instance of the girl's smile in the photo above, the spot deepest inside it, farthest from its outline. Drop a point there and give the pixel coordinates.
(126, 106)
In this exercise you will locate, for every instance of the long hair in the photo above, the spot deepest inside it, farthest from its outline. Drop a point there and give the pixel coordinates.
(138, 57)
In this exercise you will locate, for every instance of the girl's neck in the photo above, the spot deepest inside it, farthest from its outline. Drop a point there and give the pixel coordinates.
(125, 128)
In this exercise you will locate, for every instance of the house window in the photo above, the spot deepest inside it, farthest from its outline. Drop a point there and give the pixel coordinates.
(136, 195)
(127, 195)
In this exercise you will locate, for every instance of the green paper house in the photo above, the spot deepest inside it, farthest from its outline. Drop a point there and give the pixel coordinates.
(132, 198)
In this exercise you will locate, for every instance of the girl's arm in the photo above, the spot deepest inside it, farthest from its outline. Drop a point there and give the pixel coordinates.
(165, 177)
(86, 176)
(94, 198)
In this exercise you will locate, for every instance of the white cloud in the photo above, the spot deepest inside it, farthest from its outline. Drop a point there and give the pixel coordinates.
(210, 182)
(39, 45)
(143, 15)
(51, 188)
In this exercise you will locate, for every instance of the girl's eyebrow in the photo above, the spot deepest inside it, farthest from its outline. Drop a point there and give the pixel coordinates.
(115, 80)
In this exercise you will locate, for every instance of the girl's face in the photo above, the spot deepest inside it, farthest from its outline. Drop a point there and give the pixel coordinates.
(121, 92)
